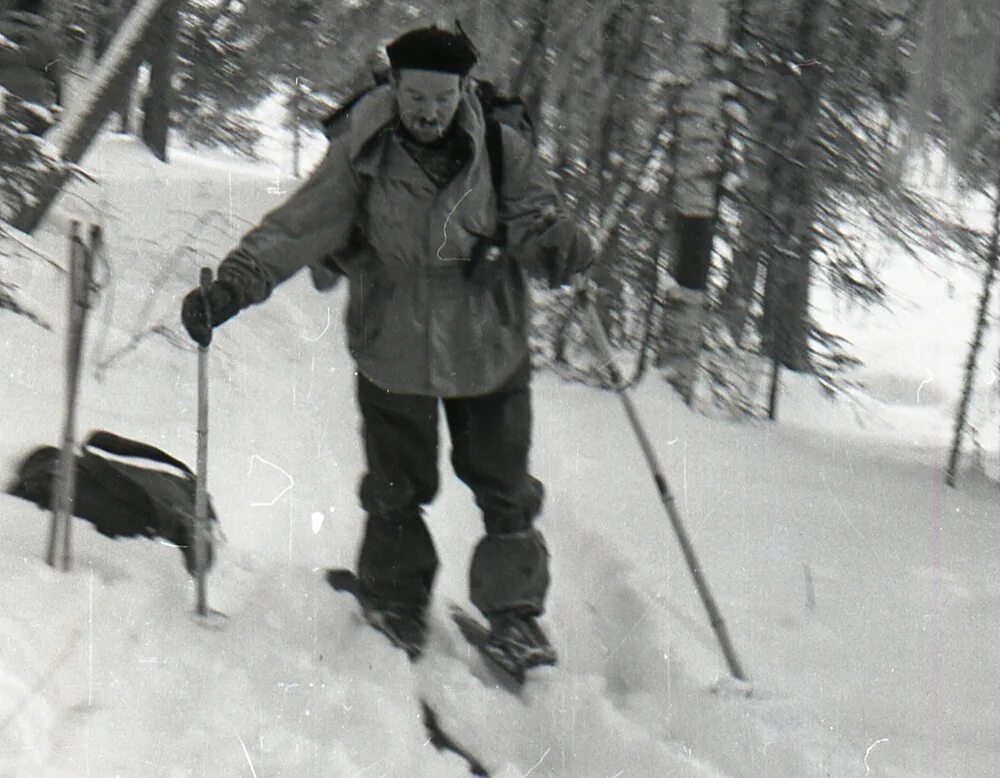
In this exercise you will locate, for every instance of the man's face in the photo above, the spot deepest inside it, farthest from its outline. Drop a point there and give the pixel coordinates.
(428, 100)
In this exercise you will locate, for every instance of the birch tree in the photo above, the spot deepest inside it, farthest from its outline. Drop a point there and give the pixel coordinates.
(700, 131)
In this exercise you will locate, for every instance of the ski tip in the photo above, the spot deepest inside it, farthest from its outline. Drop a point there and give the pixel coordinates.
(510, 677)
(442, 741)
(472, 629)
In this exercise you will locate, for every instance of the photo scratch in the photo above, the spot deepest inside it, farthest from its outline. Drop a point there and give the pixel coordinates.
(928, 380)
(246, 753)
(538, 763)
(444, 230)
(326, 329)
(631, 630)
(90, 650)
(291, 481)
(232, 209)
(868, 768)
(369, 767)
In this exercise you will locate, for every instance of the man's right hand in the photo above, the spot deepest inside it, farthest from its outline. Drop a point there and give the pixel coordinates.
(201, 312)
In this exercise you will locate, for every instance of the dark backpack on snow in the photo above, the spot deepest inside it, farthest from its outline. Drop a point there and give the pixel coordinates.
(121, 499)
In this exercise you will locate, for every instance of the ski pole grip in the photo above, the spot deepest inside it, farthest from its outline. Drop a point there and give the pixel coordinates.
(206, 286)
(87, 289)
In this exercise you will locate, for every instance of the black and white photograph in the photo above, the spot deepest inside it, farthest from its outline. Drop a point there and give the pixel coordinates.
(548, 388)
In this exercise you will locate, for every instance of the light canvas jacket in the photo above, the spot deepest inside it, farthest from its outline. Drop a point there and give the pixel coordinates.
(416, 322)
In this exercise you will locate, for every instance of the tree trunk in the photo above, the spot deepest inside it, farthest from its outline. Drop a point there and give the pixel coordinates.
(162, 56)
(80, 125)
(977, 341)
(789, 158)
(700, 131)
(649, 330)
(126, 106)
(296, 111)
(774, 392)
(526, 81)
(698, 166)
(785, 323)
(744, 269)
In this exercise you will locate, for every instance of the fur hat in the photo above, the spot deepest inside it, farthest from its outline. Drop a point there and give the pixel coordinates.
(432, 48)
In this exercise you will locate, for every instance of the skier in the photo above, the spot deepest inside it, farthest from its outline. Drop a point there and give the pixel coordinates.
(30, 67)
(436, 317)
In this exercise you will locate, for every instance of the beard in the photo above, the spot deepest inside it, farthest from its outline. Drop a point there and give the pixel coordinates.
(426, 132)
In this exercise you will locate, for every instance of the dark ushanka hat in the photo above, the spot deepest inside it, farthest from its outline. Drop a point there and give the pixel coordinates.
(431, 48)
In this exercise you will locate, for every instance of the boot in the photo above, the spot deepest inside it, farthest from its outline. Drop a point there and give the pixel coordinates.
(405, 624)
(518, 643)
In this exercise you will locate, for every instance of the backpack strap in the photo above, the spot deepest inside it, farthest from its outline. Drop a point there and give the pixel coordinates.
(332, 120)
(126, 447)
(494, 152)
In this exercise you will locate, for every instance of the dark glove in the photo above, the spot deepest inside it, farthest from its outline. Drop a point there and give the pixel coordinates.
(563, 251)
(201, 312)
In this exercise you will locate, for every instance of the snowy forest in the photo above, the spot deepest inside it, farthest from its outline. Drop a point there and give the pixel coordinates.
(796, 209)
(724, 164)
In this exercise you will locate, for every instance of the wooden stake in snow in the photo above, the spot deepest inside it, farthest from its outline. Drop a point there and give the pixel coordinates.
(201, 528)
(81, 271)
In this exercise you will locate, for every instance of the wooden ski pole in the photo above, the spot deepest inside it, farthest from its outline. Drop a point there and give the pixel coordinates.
(84, 293)
(201, 529)
(81, 264)
(715, 618)
(64, 465)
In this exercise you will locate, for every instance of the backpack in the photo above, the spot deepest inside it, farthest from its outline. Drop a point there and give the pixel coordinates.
(120, 499)
(499, 109)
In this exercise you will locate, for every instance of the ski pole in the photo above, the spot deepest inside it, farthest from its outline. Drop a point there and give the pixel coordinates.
(201, 491)
(62, 486)
(715, 618)
(84, 293)
(81, 267)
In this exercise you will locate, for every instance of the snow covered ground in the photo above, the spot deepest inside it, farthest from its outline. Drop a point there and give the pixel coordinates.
(861, 594)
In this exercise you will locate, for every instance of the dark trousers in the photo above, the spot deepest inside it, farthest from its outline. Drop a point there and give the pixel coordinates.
(490, 442)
